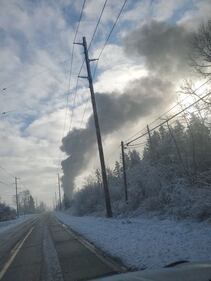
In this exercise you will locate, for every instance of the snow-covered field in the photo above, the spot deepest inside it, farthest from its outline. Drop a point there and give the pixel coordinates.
(145, 242)
(5, 225)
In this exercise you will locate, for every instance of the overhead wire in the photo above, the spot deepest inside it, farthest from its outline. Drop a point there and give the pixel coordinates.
(3, 169)
(70, 72)
(133, 136)
(84, 111)
(71, 63)
(178, 103)
(73, 106)
(181, 120)
(94, 33)
(97, 25)
(169, 110)
(101, 52)
(108, 37)
(5, 88)
(89, 46)
(139, 144)
(5, 183)
(170, 118)
(62, 62)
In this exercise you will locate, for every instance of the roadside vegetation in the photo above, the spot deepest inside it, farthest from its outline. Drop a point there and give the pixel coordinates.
(171, 173)
(158, 180)
(26, 205)
(6, 212)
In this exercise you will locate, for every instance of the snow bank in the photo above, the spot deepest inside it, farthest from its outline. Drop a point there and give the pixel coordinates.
(5, 225)
(145, 242)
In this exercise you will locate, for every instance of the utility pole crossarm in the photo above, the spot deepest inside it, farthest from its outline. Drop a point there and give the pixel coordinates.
(78, 43)
(83, 77)
(93, 60)
(98, 134)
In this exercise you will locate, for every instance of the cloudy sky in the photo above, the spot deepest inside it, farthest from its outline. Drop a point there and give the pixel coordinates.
(138, 75)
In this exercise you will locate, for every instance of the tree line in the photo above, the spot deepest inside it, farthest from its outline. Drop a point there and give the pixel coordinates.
(26, 205)
(172, 174)
(157, 179)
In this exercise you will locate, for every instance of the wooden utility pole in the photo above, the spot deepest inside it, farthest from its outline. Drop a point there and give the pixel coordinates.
(59, 186)
(124, 171)
(150, 144)
(97, 127)
(150, 139)
(56, 201)
(16, 196)
(177, 149)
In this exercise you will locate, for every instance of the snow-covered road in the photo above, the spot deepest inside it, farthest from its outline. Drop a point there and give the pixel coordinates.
(145, 242)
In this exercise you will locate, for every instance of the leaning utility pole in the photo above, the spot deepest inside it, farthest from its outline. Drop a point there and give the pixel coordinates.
(59, 186)
(16, 196)
(124, 171)
(97, 127)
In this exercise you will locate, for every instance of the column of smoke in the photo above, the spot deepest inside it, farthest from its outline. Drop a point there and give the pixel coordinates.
(165, 50)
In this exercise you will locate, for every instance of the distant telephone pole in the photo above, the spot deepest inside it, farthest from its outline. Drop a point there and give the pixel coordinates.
(151, 148)
(150, 138)
(16, 196)
(124, 171)
(56, 201)
(97, 127)
(59, 187)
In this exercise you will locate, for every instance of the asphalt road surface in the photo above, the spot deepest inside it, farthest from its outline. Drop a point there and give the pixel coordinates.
(43, 249)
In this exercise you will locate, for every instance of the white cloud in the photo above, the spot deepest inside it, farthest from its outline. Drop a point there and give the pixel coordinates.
(123, 73)
(163, 10)
(199, 12)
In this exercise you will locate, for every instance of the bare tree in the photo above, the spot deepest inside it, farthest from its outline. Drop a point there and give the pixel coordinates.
(201, 49)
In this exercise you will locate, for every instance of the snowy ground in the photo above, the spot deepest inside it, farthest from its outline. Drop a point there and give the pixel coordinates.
(5, 225)
(145, 242)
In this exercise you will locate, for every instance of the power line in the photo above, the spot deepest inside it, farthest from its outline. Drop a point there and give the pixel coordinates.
(29, 77)
(89, 46)
(139, 144)
(84, 111)
(169, 110)
(73, 45)
(5, 183)
(11, 175)
(109, 35)
(104, 45)
(71, 63)
(71, 68)
(162, 123)
(180, 118)
(95, 31)
(73, 106)
(98, 22)
(62, 62)
(178, 103)
(139, 132)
